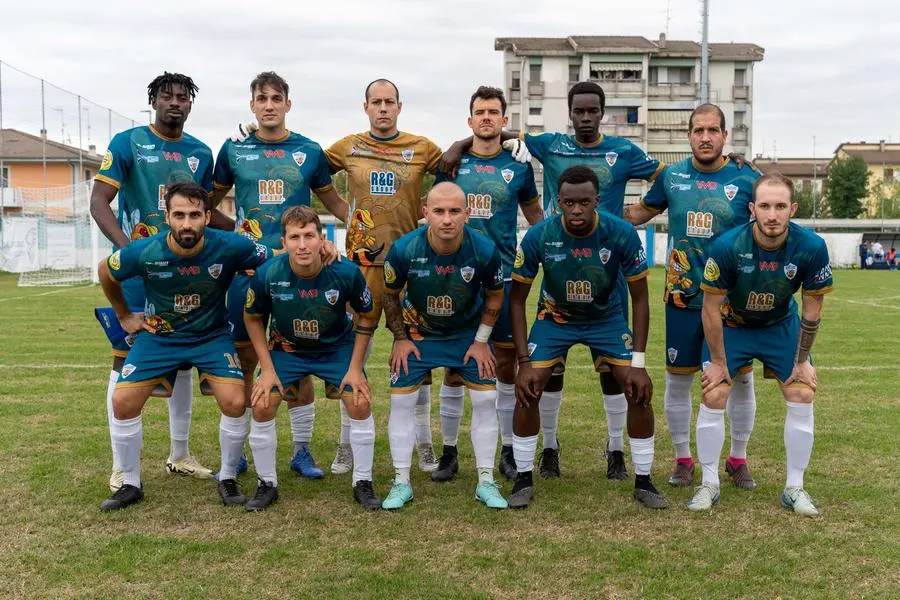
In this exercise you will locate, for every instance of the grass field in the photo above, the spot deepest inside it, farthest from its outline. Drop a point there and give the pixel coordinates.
(584, 537)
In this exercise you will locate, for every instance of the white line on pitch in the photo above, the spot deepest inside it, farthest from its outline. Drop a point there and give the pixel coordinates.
(868, 303)
(68, 289)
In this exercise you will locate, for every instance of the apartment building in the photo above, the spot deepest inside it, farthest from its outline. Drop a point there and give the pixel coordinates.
(651, 87)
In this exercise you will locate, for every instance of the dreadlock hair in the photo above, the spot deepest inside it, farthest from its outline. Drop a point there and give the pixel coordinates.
(166, 81)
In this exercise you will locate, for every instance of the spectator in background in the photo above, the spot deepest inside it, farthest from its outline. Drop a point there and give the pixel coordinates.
(877, 252)
(892, 259)
(863, 253)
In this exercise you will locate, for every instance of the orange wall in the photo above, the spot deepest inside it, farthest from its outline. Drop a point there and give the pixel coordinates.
(31, 175)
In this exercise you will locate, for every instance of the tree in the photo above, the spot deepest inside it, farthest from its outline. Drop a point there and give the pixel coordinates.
(887, 199)
(846, 186)
(806, 208)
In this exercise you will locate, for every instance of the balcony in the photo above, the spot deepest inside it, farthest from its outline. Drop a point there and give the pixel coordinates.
(633, 131)
(620, 87)
(739, 134)
(515, 95)
(741, 92)
(536, 89)
(673, 91)
(667, 136)
(534, 120)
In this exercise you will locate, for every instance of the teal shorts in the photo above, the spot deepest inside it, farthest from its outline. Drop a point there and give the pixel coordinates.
(609, 341)
(330, 365)
(156, 359)
(436, 353)
(774, 346)
(234, 304)
(684, 340)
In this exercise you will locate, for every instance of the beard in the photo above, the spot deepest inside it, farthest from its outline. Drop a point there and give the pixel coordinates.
(193, 238)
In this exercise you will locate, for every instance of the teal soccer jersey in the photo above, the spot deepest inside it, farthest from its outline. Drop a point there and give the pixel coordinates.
(495, 186)
(307, 315)
(702, 205)
(186, 289)
(758, 284)
(444, 293)
(269, 178)
(614, 160)
(580, 273)
(140, 163)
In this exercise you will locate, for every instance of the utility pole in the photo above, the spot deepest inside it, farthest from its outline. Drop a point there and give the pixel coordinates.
(814, 182)
(704, 55)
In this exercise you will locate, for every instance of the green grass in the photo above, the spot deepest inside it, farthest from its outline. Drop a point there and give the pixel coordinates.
(584, 537)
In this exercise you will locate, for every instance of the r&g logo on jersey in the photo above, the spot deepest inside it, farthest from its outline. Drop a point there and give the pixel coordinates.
(699, 224)
(439, 306)
(480, 206)
(579, 291)
(185, 303)
(271, 191)
(306, 329)
(760, 301)
(381, 183)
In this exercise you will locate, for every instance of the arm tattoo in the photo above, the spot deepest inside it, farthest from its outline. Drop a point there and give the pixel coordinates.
(808, 331)
(491, 312)
(364, 330)
(393, 314)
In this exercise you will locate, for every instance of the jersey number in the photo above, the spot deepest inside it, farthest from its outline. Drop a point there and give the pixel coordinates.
(233, 361)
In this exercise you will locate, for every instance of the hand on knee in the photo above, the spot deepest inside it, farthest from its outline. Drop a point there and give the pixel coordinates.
(359, 410)
(799, 393)
(717, 397)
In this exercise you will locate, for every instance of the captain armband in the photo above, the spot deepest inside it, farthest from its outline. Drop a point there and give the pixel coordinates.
(364, 329)
(808, 330)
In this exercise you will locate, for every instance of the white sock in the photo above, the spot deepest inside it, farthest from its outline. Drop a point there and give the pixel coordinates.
(616, 407)
(710, 439)
(423, 415)
(484, 432)
(549, 409)
(232, 435)
(524, 449)
(741, 409)
(180, 415)
(345, 424)
(642, 450)
(678, 408)
(362, 441)
(452, 400)
(506, 406)
(302, 420)
(402, 433)
(110, 389)
(798, 441)
(127, 437)
(263, 444)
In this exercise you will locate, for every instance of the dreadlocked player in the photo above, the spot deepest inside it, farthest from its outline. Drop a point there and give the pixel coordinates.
(138, 165)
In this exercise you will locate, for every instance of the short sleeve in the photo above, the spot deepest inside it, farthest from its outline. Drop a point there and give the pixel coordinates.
(528, 258)
(117, 161)
(125, 263)
(258, 303)
(433, 155)
(718, 274)
(642, 166)
(395, 268)
(528, 193)
(251, 253)
(223, 176)
(321, 178)
(634, 258)
(493, 269)
(538, 144)
(336, 154)
(818, 279)
(360, 294)
(656, 199)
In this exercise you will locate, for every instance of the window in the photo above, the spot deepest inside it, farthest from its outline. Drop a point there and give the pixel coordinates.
(574, 72)
(629, 74)
(632, 114)
(515, 122)
(534, 73)
(4, 177)
(653, 75)
(516, 80)
(740, 76)
(534, 110)
(88, 175)
(681, 74)
(740, 119)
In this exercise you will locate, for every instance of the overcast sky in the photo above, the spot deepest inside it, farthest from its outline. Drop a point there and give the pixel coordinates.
(831, 68)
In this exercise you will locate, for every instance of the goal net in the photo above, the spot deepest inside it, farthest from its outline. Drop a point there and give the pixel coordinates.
(48, 236)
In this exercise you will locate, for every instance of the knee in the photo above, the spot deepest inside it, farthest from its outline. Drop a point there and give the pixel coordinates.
(123, 407)
(506, 371)
(232, 402)
(799, 393)
(261, 415)
(359, 410)
(609, 384)
(717, 397)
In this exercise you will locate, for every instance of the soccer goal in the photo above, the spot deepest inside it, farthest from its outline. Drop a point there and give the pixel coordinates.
(48, 236)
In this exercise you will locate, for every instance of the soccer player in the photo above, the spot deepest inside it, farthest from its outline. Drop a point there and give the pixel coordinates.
(750, 278)
(186, 273)
(583, 251)
(706, 195)
(309, 334)
(454, 289)
(137, 166)
(271, 171)
(495, 186)
(614, 161)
